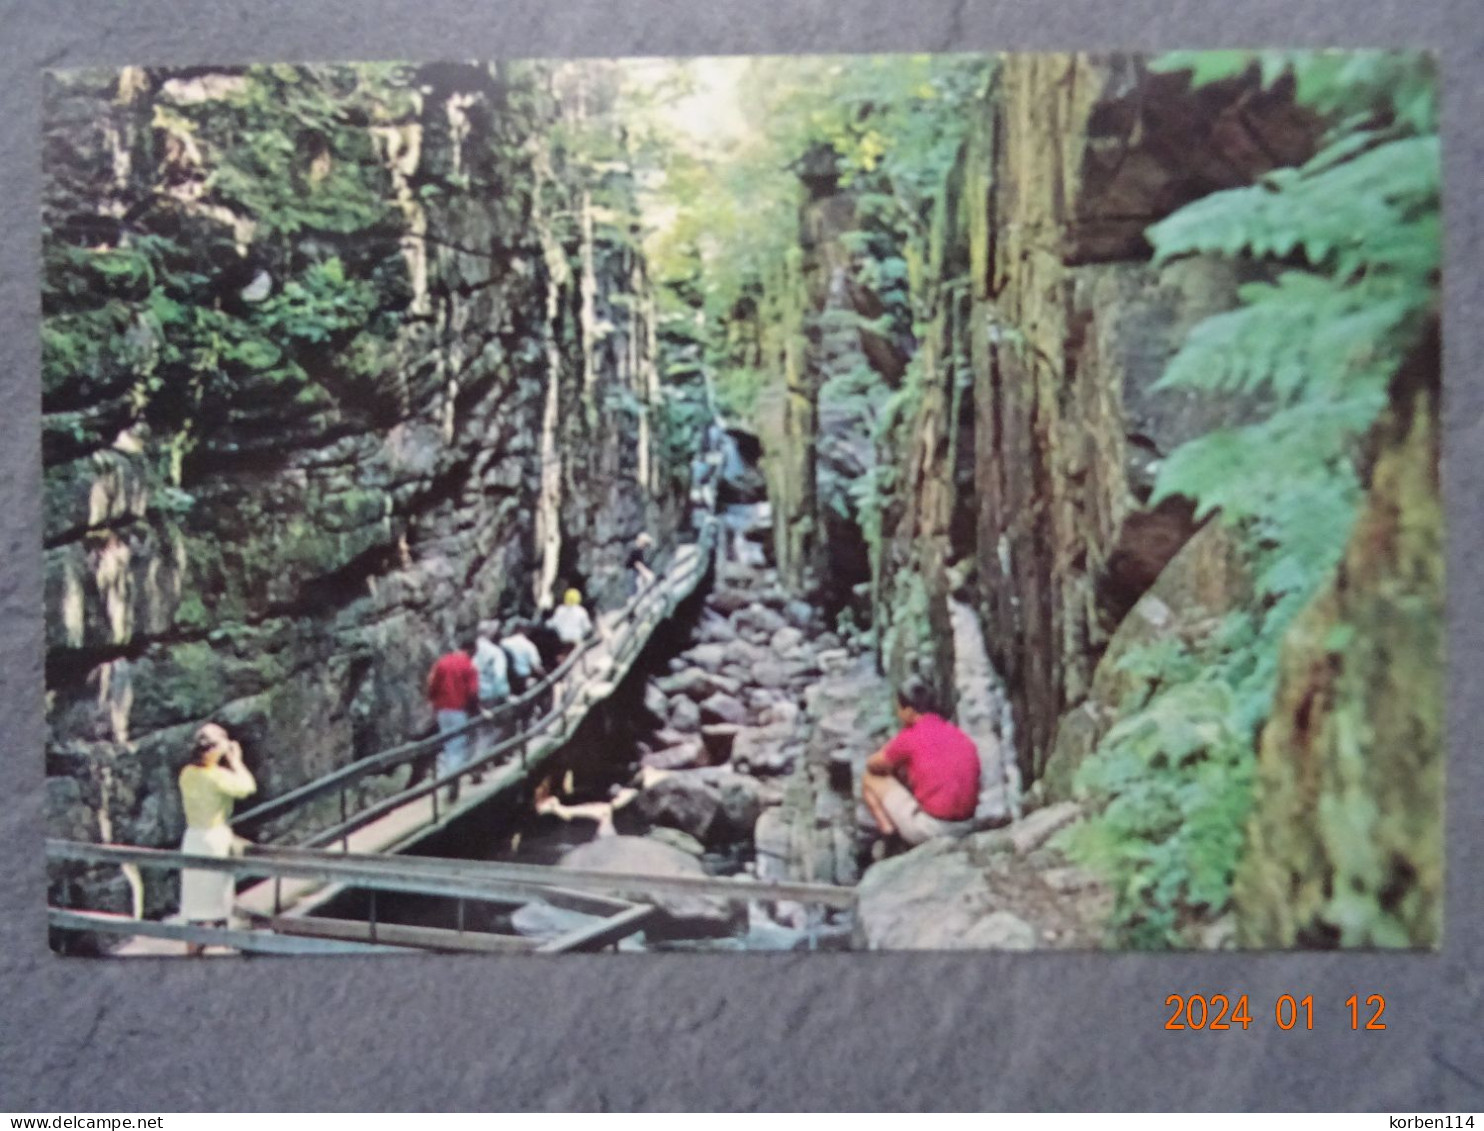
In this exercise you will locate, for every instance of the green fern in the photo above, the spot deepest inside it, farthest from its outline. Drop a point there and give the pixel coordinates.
(1353, 236)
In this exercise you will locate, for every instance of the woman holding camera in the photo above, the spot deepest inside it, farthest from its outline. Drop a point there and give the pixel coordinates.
(209, 784)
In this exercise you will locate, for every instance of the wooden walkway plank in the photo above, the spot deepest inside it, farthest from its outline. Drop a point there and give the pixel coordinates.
(402, 936)
(262, 942)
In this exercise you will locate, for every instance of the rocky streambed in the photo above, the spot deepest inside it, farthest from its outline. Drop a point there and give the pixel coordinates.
(740, 756)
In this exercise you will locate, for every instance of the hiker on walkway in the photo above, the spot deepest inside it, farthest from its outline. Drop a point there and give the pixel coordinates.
(211, 781)
(493, 668)
(638, 563)
(525, 658)
(453, 692)
(925, 780)
(571, 623)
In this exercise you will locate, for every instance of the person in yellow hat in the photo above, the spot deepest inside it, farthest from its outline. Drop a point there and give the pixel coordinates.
(571, 622)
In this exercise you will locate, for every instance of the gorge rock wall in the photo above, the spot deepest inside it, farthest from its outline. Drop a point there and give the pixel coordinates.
(1343, 843)
(1036, 435)
(297, 446)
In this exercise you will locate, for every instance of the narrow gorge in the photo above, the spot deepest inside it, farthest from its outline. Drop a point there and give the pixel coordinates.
(1098, 392)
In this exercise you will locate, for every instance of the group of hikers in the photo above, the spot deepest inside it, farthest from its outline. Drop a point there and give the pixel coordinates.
(923, 783)
(489, 668)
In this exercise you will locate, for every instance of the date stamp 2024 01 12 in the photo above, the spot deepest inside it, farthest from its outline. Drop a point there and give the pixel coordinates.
(1219, 1011)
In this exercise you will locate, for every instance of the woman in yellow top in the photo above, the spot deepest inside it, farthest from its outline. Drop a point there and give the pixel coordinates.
(209, 784)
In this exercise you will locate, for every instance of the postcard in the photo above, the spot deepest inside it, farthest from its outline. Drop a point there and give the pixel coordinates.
(827, 503)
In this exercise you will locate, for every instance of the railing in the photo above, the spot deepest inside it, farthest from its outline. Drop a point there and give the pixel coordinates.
(654, 602)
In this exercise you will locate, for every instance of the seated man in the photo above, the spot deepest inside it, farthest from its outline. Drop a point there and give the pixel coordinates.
(925, 779)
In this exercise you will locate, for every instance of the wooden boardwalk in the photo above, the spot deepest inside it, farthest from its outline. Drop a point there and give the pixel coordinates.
(285, 902)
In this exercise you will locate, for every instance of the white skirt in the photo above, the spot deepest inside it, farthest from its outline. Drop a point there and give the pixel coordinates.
(206, 896)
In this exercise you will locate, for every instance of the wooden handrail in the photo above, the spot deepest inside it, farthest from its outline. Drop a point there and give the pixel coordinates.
(660, 588)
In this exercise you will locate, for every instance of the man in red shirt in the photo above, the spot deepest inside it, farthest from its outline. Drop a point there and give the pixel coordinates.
(453, 690)
(926, 779)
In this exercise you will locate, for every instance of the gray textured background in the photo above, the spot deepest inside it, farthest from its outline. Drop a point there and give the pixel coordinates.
(986, 1031)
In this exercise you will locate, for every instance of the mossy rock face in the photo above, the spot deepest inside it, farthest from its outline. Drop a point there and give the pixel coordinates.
(293, 434)
(1345, 844)
(1205, 580)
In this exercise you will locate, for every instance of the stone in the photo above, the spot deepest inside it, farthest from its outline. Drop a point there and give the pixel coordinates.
(656, 702)
(683, 916)
(744, 654)
(716, 806)
(707, 656)
(771, 673)
(1000, 930)
(782, 713)
(758, 618)
(771, 844)
(785, 640)
(693, 682)
(761, 750)
(930, 898)
(683, 801)
(760, 699)
(677, 839)
(1067, 880)
(715, 630)
(728, 601)
(721, 708)
(665, 737)
(685, 715)
(801, 614)
(540, 920)
(676, 757)
(832, 660)
(1036, 829)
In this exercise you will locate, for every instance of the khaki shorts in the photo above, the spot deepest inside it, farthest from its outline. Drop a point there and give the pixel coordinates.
(913, 824)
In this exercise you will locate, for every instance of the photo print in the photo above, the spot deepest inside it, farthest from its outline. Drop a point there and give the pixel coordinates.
(774, 503)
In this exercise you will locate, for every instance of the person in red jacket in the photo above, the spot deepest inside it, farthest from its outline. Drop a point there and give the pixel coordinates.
(453, 691)
(926, 779)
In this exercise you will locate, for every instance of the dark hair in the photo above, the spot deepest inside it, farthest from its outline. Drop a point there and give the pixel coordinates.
(471, 643)
(205, 741)
(916, 695)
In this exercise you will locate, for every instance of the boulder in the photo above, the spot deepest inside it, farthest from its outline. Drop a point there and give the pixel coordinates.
(666, 736)
(762, 750)
(684, 916)
(538, 920)
(744, 654)
(656, 702)
(785, 640)
(801, 613)
(784, 712)
(714, 629)
(758, 618)
(693, 682)
(728, 600)
(677, 839)
(760, 699)
(676, 757)
(708, 656)
(771, 673)
(1038, 828)
(772, 840)
(722, 708)
(685, 716)
(717, 807)
(934, 898)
